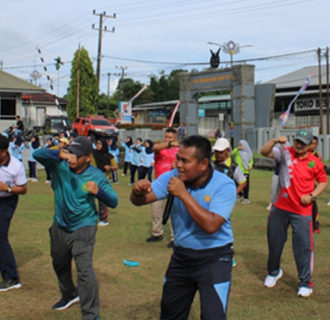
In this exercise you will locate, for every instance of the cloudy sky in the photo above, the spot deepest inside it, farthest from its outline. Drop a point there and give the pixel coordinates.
(160, 35)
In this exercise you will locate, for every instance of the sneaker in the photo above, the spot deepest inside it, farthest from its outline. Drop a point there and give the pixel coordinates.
(123, 174)
(34, 180)
(270, 281)
(269, 207)
(170, 244)
(233, 262)
(154, 238)
(328, 204)
(246, 201)
(6, 285)
(304, 292)
(47, 181)
(64, 303)
(103, 224)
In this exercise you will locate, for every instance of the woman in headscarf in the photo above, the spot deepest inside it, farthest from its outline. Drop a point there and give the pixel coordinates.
(114, 150)
(34, 144)
(17, 148)
(147, 161)
(128, 154)
(136, 149)
(105, 161)
(243, 156)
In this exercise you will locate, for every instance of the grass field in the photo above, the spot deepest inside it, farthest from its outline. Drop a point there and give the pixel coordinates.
(134, 293)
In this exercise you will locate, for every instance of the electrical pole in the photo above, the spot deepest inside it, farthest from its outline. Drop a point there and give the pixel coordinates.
(109, 74)
(122, 76)
(320, 91)
(78, 85)
(328, 102)
(100, 30)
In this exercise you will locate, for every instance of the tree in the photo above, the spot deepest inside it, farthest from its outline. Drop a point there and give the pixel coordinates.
(82, 74)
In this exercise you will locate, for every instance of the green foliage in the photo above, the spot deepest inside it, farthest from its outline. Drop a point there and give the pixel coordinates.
(88, 93)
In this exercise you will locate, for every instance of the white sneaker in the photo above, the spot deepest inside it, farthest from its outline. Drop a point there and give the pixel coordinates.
(103, 224)
(328, 204)
(246, 201)
(270, 281)
(304, 292)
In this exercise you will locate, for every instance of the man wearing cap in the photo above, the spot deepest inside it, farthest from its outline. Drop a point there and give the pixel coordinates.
(76, 183)
(226, 164)
(299, 169)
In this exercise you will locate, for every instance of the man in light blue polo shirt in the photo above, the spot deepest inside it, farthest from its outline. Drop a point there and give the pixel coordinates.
(200, 216)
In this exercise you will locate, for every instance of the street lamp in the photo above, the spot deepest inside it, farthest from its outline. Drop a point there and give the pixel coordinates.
(231, 48)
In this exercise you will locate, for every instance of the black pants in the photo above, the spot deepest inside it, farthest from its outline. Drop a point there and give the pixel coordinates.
(133, 170)
(78, 245)
(144, 171)
(8, 266)
(126, 167)
(208, 271)
(247, 187)
(32, 169)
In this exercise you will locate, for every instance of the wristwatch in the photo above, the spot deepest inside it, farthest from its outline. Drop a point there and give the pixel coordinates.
(9, 189)
(313, 198)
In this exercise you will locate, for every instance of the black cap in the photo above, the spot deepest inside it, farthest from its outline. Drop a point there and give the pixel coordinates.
(305, 136)
(81, 146)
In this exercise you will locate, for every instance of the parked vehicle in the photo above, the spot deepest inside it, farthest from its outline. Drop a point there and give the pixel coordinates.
(94, 126)
(54, 125)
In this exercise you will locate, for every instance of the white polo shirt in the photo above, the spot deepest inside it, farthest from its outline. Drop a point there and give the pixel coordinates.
(12, 174)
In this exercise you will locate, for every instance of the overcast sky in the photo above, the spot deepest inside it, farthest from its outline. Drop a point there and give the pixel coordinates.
(157, 35)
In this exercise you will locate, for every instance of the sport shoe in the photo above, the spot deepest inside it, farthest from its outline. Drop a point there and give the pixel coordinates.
(246, 201)
(103, 224)
(64, 303)
(328, 204)
(304, 292)
(170, 244)
(233, 262)
(6, 285)
(154, 238)
(270, 281)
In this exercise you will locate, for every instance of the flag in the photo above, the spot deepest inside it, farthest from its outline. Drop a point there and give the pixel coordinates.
(170, 121)
(284, 118)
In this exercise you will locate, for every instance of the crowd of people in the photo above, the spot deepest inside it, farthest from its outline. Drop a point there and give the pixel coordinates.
(195, 182)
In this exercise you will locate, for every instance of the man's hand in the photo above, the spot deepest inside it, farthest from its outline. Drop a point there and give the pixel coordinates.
(92, 187)
(306, 199)
(176, 187)
(141, 187)
(281, 139)
(3, 186)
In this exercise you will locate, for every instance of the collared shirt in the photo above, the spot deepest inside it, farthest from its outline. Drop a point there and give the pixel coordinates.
(217, 196)
(297, 178)
(12, 173)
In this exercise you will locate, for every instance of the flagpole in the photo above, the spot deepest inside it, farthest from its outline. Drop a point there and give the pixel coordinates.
(320, 92)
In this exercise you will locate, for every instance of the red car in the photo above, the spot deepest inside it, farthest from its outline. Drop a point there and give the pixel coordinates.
(94, 126)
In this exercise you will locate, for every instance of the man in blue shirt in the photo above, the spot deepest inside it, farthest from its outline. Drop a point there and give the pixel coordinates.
(76, 183)
(200, 216)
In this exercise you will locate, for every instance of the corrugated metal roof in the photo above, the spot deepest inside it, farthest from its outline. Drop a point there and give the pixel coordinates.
(10, 83)
(296, 78)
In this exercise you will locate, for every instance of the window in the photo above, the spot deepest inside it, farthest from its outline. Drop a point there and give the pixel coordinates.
(7, 107)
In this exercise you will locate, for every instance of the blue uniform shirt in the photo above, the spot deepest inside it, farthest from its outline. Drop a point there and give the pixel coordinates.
(147, 159)
(218, 196)
(74, 205)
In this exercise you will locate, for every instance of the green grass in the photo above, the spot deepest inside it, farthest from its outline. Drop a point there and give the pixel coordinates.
(134, 293)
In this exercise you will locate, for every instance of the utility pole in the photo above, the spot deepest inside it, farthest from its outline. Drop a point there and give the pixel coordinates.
(320, 91)
(109, 75)
(78, 85)
(100, 30)
(122, 76)
(328, 102)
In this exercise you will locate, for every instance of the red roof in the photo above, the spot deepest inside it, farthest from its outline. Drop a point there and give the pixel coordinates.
(43, 97)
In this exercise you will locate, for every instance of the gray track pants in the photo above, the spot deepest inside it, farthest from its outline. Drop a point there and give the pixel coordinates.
(78, 245)
(302, 242)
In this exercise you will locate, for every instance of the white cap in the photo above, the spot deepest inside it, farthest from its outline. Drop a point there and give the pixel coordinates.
(221, 145)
